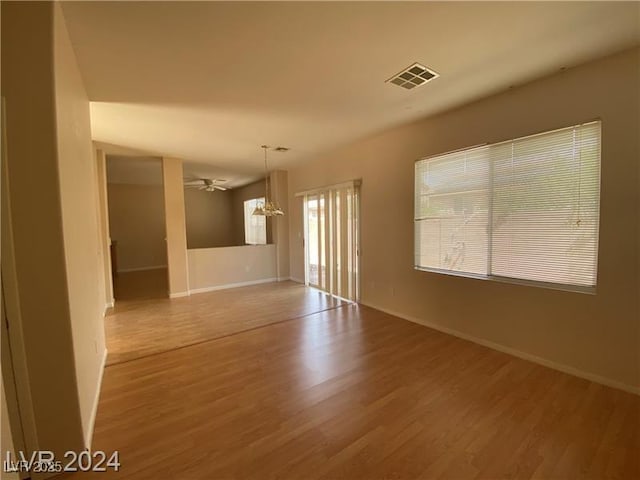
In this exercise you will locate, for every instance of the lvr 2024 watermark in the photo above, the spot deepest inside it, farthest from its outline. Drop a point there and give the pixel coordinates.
(44, 461)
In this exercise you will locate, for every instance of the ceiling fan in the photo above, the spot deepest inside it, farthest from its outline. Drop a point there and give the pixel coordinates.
(206, 184)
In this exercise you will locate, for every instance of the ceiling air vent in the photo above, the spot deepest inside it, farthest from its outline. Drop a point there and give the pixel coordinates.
(413, 76)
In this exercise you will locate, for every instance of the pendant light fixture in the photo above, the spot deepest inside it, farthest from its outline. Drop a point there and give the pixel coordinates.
(269, 208)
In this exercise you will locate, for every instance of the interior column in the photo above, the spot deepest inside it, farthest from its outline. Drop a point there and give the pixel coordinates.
(176, 230)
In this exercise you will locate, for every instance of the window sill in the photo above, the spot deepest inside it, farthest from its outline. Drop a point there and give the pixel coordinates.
(514, 281)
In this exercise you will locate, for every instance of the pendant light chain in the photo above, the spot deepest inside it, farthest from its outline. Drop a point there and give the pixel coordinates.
(266, 176)
(269, 208)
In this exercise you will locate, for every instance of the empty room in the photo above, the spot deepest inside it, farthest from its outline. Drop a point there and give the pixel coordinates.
(332, 240)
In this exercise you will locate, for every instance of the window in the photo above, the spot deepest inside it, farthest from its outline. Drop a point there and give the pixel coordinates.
(255, 226)
(525, 209)
(331, 239)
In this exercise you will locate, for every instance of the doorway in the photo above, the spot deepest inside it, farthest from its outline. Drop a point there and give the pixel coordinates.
(135, 195)
(331, 239)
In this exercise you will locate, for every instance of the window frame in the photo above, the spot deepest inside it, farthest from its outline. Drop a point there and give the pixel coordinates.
(583, 289)
(257, 201)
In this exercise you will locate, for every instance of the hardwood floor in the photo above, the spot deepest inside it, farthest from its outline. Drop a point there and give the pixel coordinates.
(355, 393)
(136, 328)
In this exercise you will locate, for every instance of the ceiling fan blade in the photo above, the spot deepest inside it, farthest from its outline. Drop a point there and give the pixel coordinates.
(210, 185)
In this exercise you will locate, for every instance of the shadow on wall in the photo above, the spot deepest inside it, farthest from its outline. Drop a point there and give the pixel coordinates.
(216, 219)
(136, 213)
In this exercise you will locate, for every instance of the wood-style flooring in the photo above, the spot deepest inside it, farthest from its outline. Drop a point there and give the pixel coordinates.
(140, 326)
(352, 393)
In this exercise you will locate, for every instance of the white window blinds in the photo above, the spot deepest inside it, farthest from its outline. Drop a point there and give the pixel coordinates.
(255, 226)
(331, 239)
(524, 209)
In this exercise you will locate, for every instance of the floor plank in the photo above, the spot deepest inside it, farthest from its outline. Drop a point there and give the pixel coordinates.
(139, 327)
(355, 393)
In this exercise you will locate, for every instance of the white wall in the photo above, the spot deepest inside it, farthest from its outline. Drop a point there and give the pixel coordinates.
(595, 335)
(216, 268)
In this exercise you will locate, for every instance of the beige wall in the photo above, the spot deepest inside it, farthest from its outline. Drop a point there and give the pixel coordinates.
(597, 335)
(82, 246)
(103, 218)
(137, 223)
(48, 139)
(214, 268)
(279, 180)
(248, 192)
(209, 218)
(14, 356)
(175, 226)
(6, 439)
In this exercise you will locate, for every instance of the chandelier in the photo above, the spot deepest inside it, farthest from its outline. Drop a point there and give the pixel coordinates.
(269, 208)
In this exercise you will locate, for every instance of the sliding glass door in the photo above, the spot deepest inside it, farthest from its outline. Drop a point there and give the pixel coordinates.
(331, 240)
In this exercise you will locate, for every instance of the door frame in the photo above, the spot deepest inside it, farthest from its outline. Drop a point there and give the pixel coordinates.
(14, 363)
(329, 198)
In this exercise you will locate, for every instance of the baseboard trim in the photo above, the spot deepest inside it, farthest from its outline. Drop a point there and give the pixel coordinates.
(232, 285)
(179, 294)
(141, 269)
(107, 306)
(512, 351)
(94, 410)
(297, 280)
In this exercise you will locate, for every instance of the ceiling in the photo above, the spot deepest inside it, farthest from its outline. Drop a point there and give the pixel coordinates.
(125, 168)
(209, 82)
